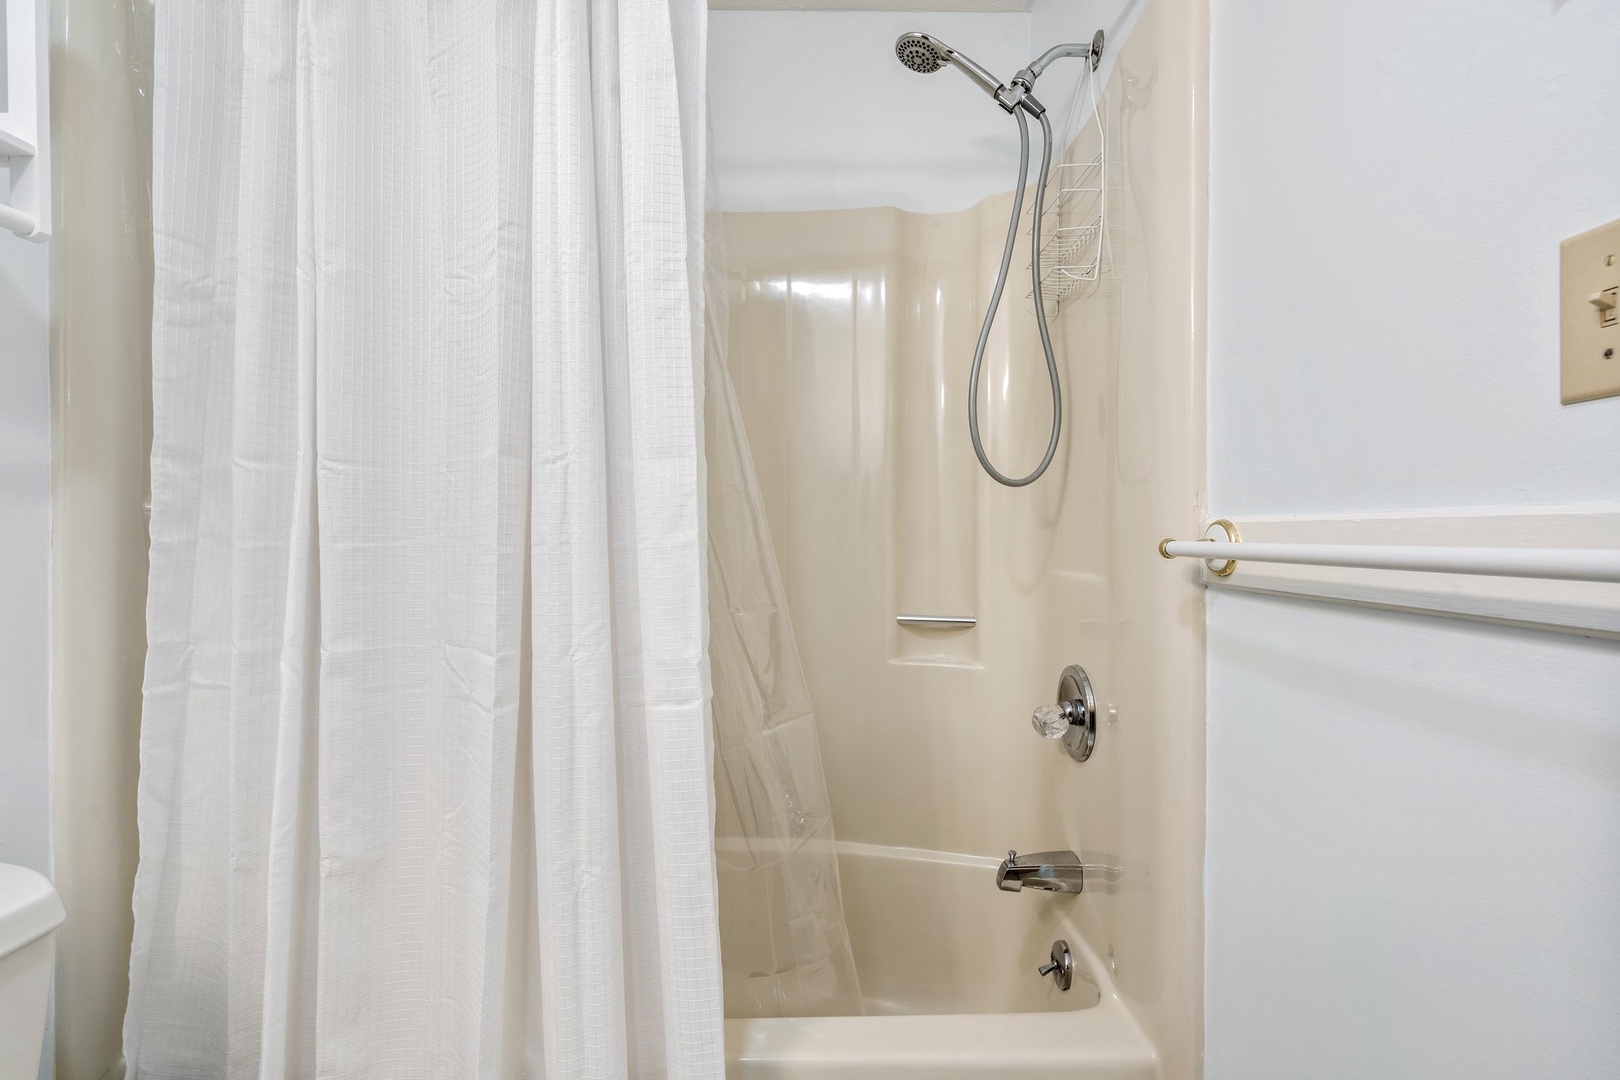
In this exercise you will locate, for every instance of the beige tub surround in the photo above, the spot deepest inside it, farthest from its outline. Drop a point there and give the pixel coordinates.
(851, 336)
(101, 265)
(948, 969)
(1098, 1044)
(782, 930)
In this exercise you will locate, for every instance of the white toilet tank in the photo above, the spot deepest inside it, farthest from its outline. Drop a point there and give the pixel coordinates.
(30, 912)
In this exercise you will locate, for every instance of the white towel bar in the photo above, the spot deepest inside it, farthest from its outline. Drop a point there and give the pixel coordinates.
(18, 222)
(1557, 564)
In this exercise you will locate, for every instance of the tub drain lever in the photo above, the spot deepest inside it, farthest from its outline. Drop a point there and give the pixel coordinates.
(1061, 967)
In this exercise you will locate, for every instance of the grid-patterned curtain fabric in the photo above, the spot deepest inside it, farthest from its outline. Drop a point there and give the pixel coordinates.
(425, 765)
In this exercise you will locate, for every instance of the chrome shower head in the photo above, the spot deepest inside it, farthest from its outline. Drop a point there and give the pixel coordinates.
(919, 52)
(926, 54)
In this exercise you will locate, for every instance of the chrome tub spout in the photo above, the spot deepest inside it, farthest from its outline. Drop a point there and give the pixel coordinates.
(1053, 871)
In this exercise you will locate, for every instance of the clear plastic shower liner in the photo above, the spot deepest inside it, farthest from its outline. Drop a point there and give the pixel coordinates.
(784, 944)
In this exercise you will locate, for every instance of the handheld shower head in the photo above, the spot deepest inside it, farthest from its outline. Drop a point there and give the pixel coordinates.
(926, 54)
(919, 52)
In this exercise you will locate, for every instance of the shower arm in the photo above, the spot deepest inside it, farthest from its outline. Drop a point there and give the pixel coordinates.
(1038, 66)
(1020, 92)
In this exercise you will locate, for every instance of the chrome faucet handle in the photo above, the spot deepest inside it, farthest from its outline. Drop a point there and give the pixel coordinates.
(1073, 717)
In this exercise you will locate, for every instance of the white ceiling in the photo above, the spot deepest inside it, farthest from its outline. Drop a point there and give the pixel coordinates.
(870, 5)
(810, 111)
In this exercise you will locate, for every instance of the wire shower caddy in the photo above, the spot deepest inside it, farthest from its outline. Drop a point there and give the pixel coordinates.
(1072, 228)
(1076, 240)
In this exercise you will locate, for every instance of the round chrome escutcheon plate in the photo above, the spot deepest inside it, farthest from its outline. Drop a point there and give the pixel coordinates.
(1075, 689)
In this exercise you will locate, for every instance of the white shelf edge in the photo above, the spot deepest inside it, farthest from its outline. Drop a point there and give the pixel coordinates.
(12, 143)
(25, 129)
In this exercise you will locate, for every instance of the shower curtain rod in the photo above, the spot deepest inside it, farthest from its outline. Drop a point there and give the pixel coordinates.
(1556, 564)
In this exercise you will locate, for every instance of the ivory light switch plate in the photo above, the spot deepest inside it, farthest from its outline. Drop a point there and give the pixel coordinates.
(1589, 309)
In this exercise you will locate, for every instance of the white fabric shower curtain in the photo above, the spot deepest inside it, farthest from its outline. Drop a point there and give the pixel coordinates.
(425, 765)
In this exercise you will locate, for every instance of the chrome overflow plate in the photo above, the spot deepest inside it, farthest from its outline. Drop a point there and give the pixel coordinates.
(1074, 718)
(1061, 967)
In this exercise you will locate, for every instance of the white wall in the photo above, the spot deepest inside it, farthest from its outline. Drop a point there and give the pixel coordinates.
(25, 542)
(1389, 185)
(810, 110)
(1412, 864)
(25, 554)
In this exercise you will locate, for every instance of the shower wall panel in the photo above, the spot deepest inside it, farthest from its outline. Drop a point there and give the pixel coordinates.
(101, 332)
(851, 338)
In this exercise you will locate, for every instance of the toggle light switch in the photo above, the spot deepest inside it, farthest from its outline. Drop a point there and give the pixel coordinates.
(1605, 301)
(1589, 310)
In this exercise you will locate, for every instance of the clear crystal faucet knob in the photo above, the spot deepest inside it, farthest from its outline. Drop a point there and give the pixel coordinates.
(1074, 718)
(1051, 721)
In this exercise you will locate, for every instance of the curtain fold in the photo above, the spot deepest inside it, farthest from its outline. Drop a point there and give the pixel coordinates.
(425, 765)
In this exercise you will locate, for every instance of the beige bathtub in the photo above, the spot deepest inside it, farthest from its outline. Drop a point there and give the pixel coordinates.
(947, 966)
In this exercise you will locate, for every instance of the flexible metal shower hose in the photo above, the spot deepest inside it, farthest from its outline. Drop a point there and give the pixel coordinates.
(1040, 304)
